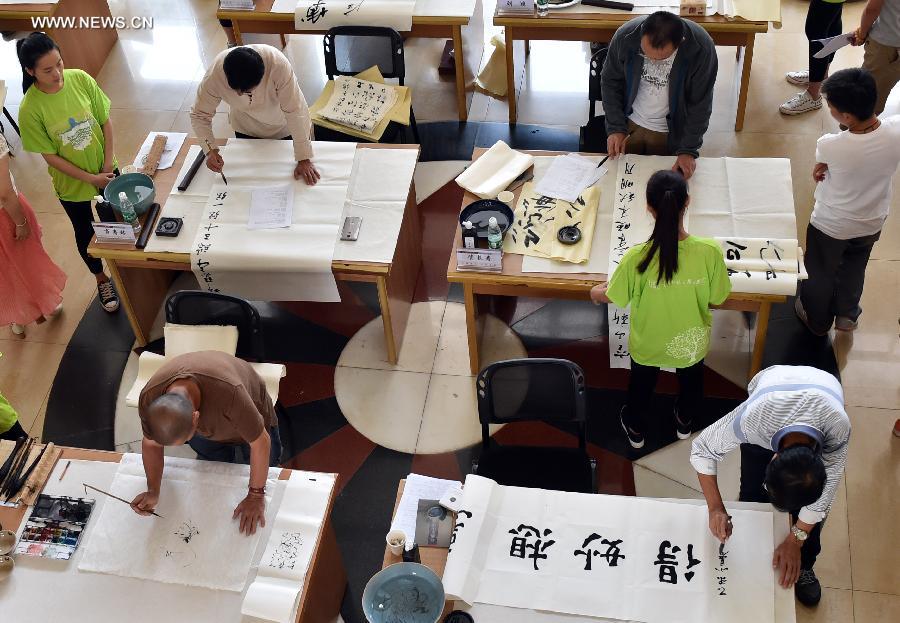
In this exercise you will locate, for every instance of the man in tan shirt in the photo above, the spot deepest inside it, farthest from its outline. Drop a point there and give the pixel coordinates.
(217, 404)
(259, 85)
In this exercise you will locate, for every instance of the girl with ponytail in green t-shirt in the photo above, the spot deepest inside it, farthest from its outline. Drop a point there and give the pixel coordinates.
(670, 281)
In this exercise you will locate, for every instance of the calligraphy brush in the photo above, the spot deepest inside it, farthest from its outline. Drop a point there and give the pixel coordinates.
(17, 487)
(209, 147)
(602, 162)
(17, 466)
(115, 497)
(7, 465)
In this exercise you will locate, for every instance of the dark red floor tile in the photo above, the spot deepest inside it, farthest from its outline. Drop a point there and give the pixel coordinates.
(437, 465)
(306, 382)
(342, 453)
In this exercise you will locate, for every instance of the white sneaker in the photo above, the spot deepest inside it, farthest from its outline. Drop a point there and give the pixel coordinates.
(800, 78)
(17, 329)
(800, 103)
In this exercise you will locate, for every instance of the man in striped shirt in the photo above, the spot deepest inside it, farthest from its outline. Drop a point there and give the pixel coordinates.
(793, 433)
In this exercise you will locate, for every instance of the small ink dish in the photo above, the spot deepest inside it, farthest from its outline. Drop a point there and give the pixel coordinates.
(569, 234)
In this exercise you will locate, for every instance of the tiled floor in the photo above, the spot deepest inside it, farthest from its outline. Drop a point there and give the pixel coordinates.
(151, 77)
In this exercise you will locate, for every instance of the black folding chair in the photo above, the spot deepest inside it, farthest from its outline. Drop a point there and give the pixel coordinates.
(352, 49)
(545, 390)
(194, 307)
(592, 137)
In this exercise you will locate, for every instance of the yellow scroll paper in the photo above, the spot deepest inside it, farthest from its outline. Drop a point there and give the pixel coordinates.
(399, 112)
(538, 219)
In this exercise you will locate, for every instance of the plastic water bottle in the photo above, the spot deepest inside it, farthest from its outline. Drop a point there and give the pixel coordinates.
(495, 236)
(543, 7)
(128, 212)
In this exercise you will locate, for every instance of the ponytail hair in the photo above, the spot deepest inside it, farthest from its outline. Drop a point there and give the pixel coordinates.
(667, 194)
(30, 50)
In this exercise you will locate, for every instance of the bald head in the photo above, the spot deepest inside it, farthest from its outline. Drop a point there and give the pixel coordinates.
(170, 419)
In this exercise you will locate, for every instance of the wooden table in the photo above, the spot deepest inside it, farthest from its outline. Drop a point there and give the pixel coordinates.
(143, 278)
(77, 53)
(323, 588)
(466, 34)
(574, 26)
(513, 282)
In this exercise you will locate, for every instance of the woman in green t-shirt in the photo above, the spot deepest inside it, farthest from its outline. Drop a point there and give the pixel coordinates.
(670, 281)
(64, 116)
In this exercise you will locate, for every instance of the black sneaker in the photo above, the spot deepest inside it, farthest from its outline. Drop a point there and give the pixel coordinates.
(807, 589)
(108, 297)
(635, 439)
(682, 429)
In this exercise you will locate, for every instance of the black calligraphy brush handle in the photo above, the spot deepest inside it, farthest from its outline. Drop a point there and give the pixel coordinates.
(15, 488)
(17, 467)
(7, 465)
(609, 4)
(115, 497)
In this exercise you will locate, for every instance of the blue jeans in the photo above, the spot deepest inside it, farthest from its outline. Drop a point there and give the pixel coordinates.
(209, 450)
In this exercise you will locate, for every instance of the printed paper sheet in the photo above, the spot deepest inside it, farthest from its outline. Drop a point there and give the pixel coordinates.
(195, 542)
(427, 8)
(608, 556)
(292, 263)
(325, 14)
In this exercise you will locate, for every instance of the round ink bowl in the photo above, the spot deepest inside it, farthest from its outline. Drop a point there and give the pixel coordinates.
(569, 235)
(7, 541)
(406, 591)
(6, 567)
(137, 187)
(479, 213)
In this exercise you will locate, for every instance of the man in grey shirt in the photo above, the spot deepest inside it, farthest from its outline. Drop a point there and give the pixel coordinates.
(657, 84)
(879, 29)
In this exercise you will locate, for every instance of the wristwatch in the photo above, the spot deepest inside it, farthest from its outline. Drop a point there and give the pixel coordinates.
(799, 534)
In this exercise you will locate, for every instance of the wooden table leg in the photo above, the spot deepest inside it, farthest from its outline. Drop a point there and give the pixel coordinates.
(385, 302)
(472, 326)
(236, 29)
(745, 83)
(142, 292)
(459, 61)
(283, 41)
(510, 75)
(759, 342)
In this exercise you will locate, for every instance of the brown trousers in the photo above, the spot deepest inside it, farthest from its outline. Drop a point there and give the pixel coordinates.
(644, 142)
(884, 64)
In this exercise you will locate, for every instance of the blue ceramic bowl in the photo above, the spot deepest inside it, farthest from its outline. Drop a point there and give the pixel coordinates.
(406, 592)
(138, 188)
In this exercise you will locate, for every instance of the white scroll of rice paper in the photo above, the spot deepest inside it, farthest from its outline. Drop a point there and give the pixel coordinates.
(613, 557)
(761, 265)
(195, 542)
(359, 104)
(325, 14)
(275, 593)
(286, 264)
(631, 224)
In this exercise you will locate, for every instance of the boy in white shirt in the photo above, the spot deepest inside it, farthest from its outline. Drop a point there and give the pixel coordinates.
(853, 171)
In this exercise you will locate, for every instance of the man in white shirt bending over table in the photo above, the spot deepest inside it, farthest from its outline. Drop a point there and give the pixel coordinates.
(793, 434)
(258, 83)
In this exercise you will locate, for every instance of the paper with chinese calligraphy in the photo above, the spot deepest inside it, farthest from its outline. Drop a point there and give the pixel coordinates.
(195, 542)
(325, 14)
(607, 556)
(537, 220)
(359, 103)
(286, 264)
